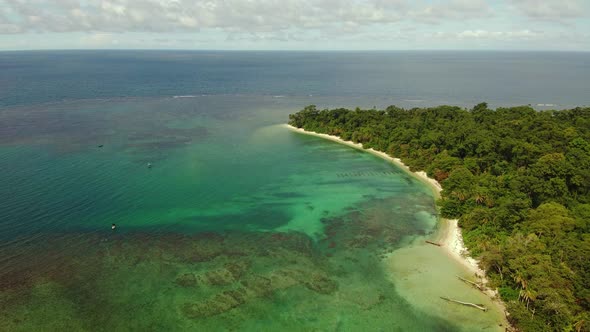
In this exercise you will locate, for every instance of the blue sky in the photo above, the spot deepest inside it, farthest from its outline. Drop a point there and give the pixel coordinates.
(296, 24)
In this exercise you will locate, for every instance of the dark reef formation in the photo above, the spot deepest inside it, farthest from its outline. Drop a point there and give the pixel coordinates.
(204, 277)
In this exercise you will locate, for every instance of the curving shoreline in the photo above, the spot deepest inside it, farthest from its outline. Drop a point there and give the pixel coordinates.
(449, 234)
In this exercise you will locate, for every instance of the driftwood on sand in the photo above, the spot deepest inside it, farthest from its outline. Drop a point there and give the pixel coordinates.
(478, 306)
(474, 284)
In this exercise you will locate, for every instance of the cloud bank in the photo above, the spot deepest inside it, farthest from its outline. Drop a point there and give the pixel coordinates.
(18, 16)
(394, 23)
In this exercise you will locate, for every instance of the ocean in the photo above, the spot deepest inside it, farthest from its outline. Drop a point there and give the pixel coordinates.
(225, 219)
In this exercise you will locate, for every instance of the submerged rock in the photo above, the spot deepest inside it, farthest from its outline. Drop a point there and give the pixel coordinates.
(259, 285)
(186, 280)
(220, 277)
(237, 269)
(321, 284)
(216, 305)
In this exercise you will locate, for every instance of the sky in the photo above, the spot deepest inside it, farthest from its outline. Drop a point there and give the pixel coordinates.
(558, 25)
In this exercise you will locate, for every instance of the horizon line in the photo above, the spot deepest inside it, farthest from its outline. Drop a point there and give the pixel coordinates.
(295, 50)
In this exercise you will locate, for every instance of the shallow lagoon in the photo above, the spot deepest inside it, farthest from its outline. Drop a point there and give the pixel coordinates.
(240, 224)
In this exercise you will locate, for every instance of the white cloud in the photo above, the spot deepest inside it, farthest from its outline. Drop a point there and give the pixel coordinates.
(485, 35)
(300, 24)
(553, 10)
(99, 40)
(8, 28)
(498, 35)
(453, 10)
(232, 15)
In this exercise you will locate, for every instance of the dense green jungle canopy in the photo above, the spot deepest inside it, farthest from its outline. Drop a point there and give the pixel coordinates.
(519, 182)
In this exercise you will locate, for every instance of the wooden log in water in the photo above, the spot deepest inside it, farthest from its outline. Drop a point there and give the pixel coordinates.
(434, 243)
(474, 305)
(474, 284)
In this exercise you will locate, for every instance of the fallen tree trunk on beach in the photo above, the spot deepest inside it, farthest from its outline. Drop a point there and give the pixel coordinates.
(434, 243)
(474, 284)
(478, 306)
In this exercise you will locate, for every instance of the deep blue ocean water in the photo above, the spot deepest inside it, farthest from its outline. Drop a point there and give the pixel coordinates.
(413, 78)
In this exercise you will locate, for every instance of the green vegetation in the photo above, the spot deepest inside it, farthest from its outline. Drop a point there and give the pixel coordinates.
(519, 182)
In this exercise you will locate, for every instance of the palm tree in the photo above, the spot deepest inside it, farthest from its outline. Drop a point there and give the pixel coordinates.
(480, 198)
(579, 325)
(519, 279)
(460, 195)
(528, 296)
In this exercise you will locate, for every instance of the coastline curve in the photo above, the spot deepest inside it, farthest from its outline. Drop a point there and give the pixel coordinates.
(448, 233)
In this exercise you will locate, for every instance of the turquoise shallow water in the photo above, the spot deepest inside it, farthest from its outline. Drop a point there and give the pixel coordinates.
(216, 170)
(241, 224)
